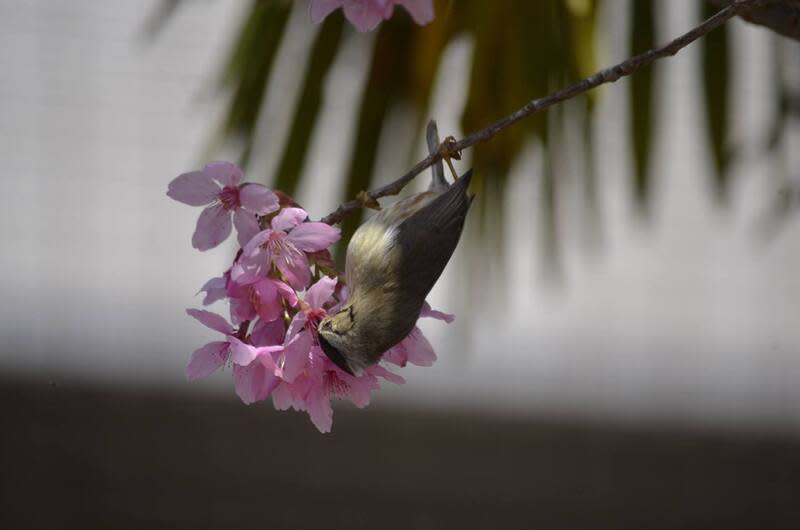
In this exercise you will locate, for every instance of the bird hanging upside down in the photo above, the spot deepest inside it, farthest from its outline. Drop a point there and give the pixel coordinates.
(393, 261)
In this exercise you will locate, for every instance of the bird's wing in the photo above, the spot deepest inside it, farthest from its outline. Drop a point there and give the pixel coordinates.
(428, 238)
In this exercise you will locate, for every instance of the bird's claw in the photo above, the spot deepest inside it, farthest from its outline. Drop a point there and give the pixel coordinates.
(367, 200)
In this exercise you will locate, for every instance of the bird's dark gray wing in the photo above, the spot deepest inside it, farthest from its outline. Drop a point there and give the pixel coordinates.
(428, 238)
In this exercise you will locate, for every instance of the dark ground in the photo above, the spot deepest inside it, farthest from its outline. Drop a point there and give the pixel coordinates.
(82, 457)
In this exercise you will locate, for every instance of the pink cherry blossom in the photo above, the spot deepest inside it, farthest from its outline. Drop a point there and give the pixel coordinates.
(280, 357)
(262, 297)
(217, 187)
(365, 15)
(255, 381)
(251, 363)
(285, 245)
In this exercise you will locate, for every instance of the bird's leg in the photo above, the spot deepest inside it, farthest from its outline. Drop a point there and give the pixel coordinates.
(447, 148)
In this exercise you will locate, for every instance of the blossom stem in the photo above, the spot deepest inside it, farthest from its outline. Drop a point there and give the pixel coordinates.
(607, 75)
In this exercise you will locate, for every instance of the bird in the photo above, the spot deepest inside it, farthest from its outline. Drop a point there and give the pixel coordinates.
(392, 262)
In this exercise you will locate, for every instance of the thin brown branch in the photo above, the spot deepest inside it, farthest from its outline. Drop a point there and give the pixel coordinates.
(608, 75)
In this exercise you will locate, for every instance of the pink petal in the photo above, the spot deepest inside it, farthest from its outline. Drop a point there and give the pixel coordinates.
(421, 10)
(226, 173)
(269, 304)
(419, 350)
(194, 188)
(295, 271)
(311, 237)
(213, 227)
(246, 226)
(258, 199)
(215, 289)
(288, 218)
(295, 356)
(320, 292)
(286, 292)
(282, 397)
(248, 381)
(358, 388)
(242, 275)
(296, 325)
(318, 406)
(432, 313)
(322, 8)
(211, 320)
(268, 333)
(366, 15)
(380, 371)
(270, 382)
(206, 360)
(254, 246)
(241, 353)
(242, 309)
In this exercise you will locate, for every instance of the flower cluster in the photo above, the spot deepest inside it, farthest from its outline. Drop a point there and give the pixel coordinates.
(281, 284)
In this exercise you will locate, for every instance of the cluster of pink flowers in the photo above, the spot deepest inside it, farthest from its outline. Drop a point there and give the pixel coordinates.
(280, 285)
(365, 15)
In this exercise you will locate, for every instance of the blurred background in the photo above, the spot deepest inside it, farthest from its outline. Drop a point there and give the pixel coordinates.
(625, 352)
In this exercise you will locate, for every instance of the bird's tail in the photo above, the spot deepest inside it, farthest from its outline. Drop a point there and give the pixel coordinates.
(438, 182)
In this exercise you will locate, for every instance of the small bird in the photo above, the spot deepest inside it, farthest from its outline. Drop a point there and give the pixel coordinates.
(393, 261)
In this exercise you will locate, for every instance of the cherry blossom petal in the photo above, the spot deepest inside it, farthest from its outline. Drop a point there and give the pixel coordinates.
(322, 8)
(296, 325)
(226, 173)
(248, 381)
(243, 354)
(418, 349)
(356, 389)
(311, 237)
(206, 360)
(254, 382)
(295, 356)
(268, 333)
(213, 227)
(282, 397)
(421, 10)
(211, 320)
(195, 188)
(438, 315)
(321, 292)
(365, 15)
(288, 218)
(380, 371)
(241, 309)
(215, 289)
(318, 406)
(295, 271)
(258, 199)
(243, 273)
(246, 226)
(269, 304)
(254, 246)
(286, 292)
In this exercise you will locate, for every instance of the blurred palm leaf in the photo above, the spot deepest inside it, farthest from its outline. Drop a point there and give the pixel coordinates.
(642, 39)
(716, 75)
(524, 50)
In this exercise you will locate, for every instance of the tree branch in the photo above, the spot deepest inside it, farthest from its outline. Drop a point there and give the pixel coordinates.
(608, 75)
